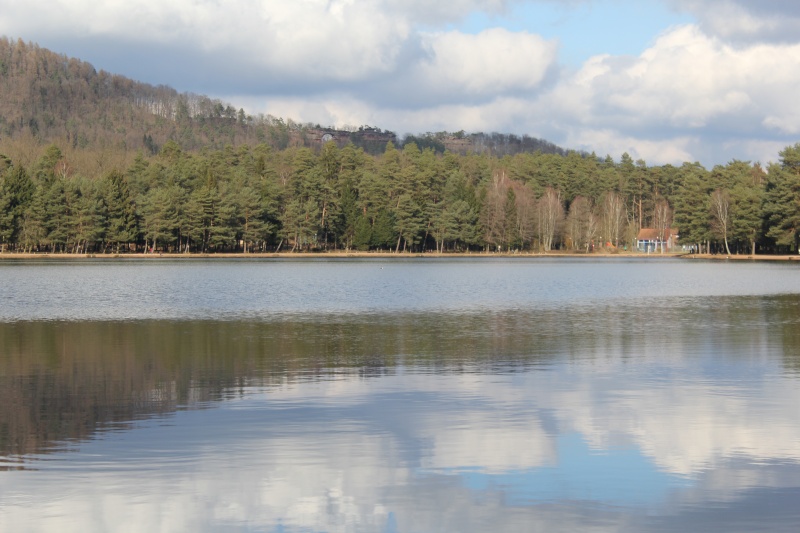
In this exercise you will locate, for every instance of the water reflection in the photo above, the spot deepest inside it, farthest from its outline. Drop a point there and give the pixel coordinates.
(681, 415)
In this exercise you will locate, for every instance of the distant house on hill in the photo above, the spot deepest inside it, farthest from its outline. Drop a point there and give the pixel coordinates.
(652, 240)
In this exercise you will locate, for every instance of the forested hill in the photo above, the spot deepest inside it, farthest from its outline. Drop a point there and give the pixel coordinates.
(53, 98)
(92, 163)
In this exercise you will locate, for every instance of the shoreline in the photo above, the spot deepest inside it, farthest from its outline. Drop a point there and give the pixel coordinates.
(391, 255)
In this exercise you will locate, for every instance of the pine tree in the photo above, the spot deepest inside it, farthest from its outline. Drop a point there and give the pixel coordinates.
(121, 223)
(7, 219)
(18, 190)
(691, 205)
(782, 205)
(251, 210)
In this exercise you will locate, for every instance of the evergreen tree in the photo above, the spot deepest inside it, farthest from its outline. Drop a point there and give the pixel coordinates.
(782, 199)
(691, 205)
(57, 211)
(383, 232)
(16, 191)
(251, 210)
(121, 223)
(362, 233)
(782, 205)
(86, 216)
(460, 222)
(748, 215)
(7, 219)
(33, 229)
(349, 215)
(409, 221)
(160, 217)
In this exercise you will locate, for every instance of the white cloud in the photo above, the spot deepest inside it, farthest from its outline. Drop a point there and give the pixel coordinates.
(689, 80)
(687, 90)
(313, 39)
(363, 472)
(747, 21)
(483, 443)
(610, 142)
(308, 46)
(427, 12)
(492, 62)
(688, 97)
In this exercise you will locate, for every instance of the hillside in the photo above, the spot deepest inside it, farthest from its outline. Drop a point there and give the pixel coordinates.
(59, 99)
(53, 98)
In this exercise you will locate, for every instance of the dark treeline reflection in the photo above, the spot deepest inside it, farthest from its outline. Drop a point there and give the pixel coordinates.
(63, 381)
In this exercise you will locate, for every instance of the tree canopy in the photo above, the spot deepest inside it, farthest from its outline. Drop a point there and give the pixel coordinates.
(257, 198)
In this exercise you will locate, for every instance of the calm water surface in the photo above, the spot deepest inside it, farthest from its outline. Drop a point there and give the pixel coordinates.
(400, 396)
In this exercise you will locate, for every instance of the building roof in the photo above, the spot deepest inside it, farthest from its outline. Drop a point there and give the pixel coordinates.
(652, 234)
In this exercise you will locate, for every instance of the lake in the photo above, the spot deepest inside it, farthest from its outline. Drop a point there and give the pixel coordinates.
(399, 395)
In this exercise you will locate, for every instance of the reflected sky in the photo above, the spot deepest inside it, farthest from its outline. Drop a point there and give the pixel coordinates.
(608, 442)
(681, 416)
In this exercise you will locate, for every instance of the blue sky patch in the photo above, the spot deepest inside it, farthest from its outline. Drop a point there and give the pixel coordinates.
(622, 27)
(620, 476)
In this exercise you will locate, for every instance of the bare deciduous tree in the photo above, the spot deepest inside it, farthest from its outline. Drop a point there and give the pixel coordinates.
(613, 217)
(526, 208)
(662, 220)
(550, 217)
(720, 202)
(581, 224)
(494, 214)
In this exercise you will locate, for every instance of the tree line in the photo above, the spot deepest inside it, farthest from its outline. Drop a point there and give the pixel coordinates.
(259, 199)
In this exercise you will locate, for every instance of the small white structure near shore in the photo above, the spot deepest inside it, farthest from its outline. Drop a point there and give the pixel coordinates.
(651, 240)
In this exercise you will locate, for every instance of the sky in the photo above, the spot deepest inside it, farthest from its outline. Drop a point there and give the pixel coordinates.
(699, 453)
(666, 81)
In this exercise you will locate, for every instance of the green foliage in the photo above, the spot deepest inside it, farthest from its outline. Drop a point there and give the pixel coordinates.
(408, 220)
(120, 210)
(512, 237)
(425, 141)
(748, 214)
(16, 193)
(692, 216)
(790, 159)
(33, 229)
(7, 225)
(237, 196)
(160, 216)
(782, 205)
(383, 231)
(458, 225)
(362, 233)
(254, 229)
